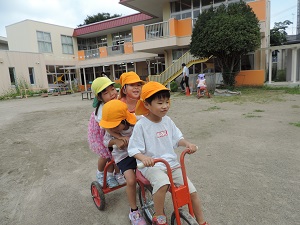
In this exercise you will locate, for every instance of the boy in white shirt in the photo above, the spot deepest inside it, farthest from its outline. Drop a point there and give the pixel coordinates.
(155, 136)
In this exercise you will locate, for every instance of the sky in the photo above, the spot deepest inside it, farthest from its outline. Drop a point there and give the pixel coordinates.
(71, 13)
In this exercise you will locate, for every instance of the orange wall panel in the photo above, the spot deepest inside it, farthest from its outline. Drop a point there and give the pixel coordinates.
(81, 55)
(103, 52)
(128, 48)
(138, 33)
(259, 8)
(172, 27)
(184, 27)
(250, 78)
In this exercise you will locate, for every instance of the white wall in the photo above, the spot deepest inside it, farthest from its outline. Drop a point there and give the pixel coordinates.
(21, 61)
(22, 37)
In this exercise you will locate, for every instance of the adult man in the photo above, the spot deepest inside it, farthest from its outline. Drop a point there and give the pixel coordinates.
(185, 78)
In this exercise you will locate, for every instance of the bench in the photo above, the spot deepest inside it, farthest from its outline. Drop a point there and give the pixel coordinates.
(86, 95)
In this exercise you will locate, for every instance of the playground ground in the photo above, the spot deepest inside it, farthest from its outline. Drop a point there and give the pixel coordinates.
(247, 169)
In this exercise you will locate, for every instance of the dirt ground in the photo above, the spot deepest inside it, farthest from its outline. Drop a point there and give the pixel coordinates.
(247, 169)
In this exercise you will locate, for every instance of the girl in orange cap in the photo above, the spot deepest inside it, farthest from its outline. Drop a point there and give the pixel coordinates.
(131, 87)
(104, 91)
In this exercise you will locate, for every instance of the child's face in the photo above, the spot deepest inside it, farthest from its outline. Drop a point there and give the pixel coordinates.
(109, 93)
(119, 128)
(133, 90)
(158, 107)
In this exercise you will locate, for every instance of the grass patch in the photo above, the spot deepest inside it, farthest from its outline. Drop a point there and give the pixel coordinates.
(295, 106)
(258, 110)
(212, 108)
(297, 124)
(251, 115)
(261, 95)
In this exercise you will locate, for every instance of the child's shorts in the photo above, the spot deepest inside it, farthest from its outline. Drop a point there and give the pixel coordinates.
(159, 178)
(127, 164)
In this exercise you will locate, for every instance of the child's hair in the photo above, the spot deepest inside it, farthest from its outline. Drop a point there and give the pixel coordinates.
(99, 95)
(159, 95)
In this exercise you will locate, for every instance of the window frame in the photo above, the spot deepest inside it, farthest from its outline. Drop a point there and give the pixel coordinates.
(12, 75)
(31, 75)
(67, 44)
(44, 42)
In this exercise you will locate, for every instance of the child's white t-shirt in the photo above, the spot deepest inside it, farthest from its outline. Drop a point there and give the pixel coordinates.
(156, 140)
(201, 83)
(98, 117)
(118, 154)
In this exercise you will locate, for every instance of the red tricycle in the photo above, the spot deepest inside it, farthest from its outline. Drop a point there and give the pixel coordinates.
(180, 195)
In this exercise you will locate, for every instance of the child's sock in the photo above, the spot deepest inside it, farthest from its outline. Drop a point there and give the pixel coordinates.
(109, 174)
(99, 172)
(132, 210)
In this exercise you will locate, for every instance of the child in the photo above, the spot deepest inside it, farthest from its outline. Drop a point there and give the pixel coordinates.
(104, 91)
(155, 136)
(201, 85)
(131, 87)
(116, 118)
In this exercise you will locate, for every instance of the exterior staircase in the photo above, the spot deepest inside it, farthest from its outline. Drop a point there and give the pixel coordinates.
(175, 70)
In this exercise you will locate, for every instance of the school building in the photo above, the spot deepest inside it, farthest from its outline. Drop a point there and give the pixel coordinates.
(153, 43)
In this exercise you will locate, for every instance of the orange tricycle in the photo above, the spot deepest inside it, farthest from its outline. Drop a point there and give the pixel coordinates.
(180, 195)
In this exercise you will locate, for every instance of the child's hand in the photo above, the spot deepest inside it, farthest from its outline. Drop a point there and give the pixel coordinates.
(148, 161)
(192, 147)
(119, 143)
(125, 140)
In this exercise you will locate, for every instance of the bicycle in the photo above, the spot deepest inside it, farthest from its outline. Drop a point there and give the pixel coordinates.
(180, 195)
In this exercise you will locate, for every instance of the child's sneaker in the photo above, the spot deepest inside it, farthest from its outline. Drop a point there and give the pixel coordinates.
(112, 182)
(159, 220)
(120, 178)
(136, 218)
(100, 178)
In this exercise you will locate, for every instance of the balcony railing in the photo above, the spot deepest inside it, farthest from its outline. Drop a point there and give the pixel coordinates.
(111, 51)
(157, 30)
(91, 53)
(115, 50)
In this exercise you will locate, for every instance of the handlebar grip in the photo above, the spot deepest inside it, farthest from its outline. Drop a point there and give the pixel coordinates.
(140, 165)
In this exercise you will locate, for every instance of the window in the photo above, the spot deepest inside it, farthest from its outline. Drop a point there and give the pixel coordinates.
(44, 41)
(91, 43)
(12, 75)
(247, 62)
(67, 44)
(121, 37)
(31, 75)
(102, 41)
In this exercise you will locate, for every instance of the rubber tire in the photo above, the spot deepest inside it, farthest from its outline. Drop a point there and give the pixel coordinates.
(186, 218)
(148, 207)
(98, 195)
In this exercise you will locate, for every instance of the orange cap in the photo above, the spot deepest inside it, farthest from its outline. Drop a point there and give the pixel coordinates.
(130, 78)
(148, 90)
(113, 112)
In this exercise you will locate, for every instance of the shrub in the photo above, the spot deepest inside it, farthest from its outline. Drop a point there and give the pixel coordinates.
(174, 86)
(117, 85)
(280, 75)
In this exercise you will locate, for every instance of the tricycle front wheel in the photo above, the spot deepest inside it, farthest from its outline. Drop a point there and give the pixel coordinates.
(185, 218)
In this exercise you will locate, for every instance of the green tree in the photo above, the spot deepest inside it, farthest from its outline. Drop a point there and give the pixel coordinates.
(278, 33)
(98, 17)
(227, 33)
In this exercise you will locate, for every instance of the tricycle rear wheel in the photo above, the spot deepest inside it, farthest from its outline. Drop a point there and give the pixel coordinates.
(98, 195)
